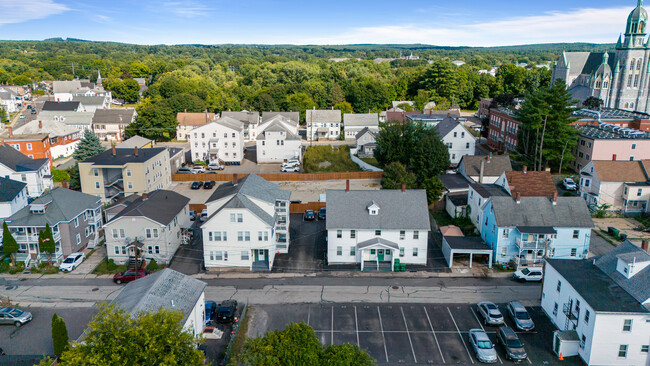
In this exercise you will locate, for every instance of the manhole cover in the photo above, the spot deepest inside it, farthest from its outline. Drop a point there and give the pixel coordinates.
(95, 289)
(395, 288)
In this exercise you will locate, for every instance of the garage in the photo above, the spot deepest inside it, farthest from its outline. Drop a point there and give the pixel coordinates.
(465, 245)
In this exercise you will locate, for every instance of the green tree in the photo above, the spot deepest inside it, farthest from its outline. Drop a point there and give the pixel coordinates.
(593, 103)
(512, 79)
(546, 136)
(46, 242)
(300, 102)
(298, 344)
(115, 338)
(344, 107)
(421, 99)
(155, 120)
(434, 188)
(441, 79)
(9, 244)
(3, 115)
(75, 181)
(88, 146)
(395, 174)
(139, 70)
(60, 338)
(130, 91)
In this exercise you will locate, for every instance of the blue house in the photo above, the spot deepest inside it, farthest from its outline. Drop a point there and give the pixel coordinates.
(526, 229)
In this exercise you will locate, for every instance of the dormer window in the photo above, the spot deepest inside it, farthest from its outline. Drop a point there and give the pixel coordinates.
(373, 209)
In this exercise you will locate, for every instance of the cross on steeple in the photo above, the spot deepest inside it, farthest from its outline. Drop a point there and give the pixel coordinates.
(639, 3)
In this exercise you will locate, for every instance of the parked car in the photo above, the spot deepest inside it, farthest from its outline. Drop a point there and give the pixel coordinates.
(321, 213)
(569, 184)
(204, 215)
(192, 215)
(33, 111)
(520, 316)
(116, 102)
(291, 169)
(482, 345)
(215, 166)
(22, 116)
(226, 312)
(210, 311)
(291, 162)
(196, 185)
(510, 342)
(14, 316)
(198, 169)
(529, 274)
(72, 261)
(185, 171)
(129, 275)
(490, 313)
(208, 184)
(309, 215)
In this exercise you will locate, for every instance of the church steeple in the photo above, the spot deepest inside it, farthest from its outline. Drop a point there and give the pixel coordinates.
(635, 27)
(619, 43)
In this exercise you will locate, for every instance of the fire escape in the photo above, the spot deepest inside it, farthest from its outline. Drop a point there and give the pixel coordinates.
(571, 315)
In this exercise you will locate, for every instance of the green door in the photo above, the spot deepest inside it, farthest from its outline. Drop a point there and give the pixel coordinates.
(257, 256)
(380, 255)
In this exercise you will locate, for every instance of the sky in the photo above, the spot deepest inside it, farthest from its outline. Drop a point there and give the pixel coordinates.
(434, 22)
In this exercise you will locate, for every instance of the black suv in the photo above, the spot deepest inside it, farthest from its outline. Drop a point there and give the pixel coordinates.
(507, 338)
(226, 311)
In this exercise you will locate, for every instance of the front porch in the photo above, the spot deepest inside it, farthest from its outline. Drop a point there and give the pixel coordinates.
(377, 255)
(534, 244)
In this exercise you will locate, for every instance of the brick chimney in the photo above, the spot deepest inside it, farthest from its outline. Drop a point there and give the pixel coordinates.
(11, 131)
(114, 152)
(40, 124)
(144, 197)
(525, 169)
(554, 198)
(235, 179)
(347, 185)
(644, 245)
(481, 172)
(403, 188)
(135, 150)
(518, 198)
(64, 183)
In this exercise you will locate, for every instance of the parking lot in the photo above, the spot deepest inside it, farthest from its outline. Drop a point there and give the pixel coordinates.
(30, 342)
(409, 334)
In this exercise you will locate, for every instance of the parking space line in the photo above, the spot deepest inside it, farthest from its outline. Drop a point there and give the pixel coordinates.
(356, 324)
(476, 316)
(461, 336)
(408, 334)
(381, 325)
(434, 334)
(308, 313)
(332, 327)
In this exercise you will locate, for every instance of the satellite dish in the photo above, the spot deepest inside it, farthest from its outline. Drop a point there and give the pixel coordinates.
(141, 238)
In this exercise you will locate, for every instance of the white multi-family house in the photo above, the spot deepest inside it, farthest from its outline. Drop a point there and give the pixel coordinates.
(153, 223)
(366, 142)
(601, 306)
(75, 219)
(457, 138)
(620, 185)
(278, 140)
(484, 168)
(323, 124)
(79, 120)
(65, 90)
(93, 103)
(13, 197)
(110, 124)
(249, 119)
(375, 228)
(353, 123)
(35, 172)
(247, 225)
(221, 140)
(8, 100)
(187, 121)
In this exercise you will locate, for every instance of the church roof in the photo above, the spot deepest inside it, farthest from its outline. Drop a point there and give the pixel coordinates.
(582, 63)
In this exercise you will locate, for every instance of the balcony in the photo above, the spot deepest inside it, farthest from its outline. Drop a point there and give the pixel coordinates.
(26, 238)
(539, 244)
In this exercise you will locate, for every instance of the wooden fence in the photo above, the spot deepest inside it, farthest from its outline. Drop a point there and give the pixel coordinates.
(302, 207)
(197, 207)
(279, 177)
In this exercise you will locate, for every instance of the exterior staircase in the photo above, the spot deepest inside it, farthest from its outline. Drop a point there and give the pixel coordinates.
(373, 266)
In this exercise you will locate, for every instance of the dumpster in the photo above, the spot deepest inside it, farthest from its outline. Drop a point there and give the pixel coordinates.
(622, 237)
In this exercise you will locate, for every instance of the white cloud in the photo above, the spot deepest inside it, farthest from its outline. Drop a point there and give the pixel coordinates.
(18, 11)
(102, 19)
(186, 8)
(581, 25)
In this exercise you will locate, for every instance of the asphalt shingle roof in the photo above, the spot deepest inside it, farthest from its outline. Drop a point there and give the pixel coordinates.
(243, 117)
(160, 206)
(60, 106)
(531, 184)
(18, 162)
(166, 289)
(276, 126)
(454, 181)
(194, 119)
(397, 210)
(619, 171)
(114, 116)
(241, 201)
(595, 286)
(323, 115)
(9, 189)
(67, 86)
(364, 131)
(134, 141)
(569, 212)
(294, 116)
(124, 156)
(446, 125)
(51, 128)
(494, 166)
(252, 185)
(361, 119)
(638, 286)
(63, 205)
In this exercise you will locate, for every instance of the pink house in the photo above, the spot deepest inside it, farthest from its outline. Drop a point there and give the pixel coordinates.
(609, 142)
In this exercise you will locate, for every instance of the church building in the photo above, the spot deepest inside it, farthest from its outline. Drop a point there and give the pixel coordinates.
(621, 79)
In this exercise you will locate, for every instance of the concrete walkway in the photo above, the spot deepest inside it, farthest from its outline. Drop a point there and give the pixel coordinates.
(90, 263)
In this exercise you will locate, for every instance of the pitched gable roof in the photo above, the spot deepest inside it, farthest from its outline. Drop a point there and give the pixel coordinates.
(63, 205)
(293, 116)
(114, 116)
(361, 119)
(447, 125)
(134, 141)
(160, 206)
(67, 86)
(51, 128)
(241, 201)
(194, 119)
(568, 212)
(18, 162)
(638, 285)
(619, 171)
(10, 188)
(494, 165)
(322, 115)
(276, 126)
(60, 106)
(244, 117)
(531, 184)
(364, 131)
(251, 185)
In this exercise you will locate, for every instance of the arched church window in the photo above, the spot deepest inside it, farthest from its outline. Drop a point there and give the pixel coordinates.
(631, 105)
(641, 27)
(627, 105)
(636, 80)
(605, 85)
(629, 81)
(597, 84)
(632, 64)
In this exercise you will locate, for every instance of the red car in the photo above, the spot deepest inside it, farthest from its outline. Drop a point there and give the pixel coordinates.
(130, 275)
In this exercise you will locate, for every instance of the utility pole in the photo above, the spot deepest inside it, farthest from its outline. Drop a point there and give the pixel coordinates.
(541, 143)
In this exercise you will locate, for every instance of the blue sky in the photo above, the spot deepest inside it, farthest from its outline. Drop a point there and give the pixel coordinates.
(437, 22)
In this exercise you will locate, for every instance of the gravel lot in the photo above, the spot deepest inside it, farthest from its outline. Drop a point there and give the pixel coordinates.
(310, 190)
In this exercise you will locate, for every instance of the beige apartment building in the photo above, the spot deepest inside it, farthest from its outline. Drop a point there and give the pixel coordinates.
(117, 173)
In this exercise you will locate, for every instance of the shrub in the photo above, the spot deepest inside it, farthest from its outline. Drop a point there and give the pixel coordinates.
(110, 265)
(60, 175)
(152, 266)
(4, 267)
(19, 267)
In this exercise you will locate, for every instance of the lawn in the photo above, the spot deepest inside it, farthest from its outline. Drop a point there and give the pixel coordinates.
(325, 158)
(464, 223)
(371, 161)
(108, 267)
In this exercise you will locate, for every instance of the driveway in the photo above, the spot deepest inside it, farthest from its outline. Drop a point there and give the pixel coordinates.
(598, 246)
(189, 258)
(307, 249)
(626, 225)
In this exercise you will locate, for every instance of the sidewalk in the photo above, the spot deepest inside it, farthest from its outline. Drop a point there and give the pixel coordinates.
(91, 262)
